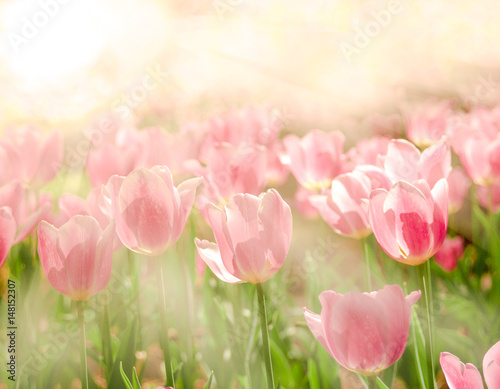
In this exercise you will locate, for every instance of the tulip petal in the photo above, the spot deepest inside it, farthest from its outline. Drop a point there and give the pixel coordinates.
(316, 326)
(435, 163)
(51, 155)
(383, 223)
(7, 233)
(50, 259)
(458, 375)
(491, 367)
(104, 258)
(210, 253)
(187, 193)
(401, 161)
(328, 300)
(217, 219)
(275, 226)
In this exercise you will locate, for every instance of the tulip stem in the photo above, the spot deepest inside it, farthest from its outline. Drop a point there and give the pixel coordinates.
(106, 340)
(83, 345)
(163, 326)
(427, 286)
(372, 382)
(368, 275)
(265, 335)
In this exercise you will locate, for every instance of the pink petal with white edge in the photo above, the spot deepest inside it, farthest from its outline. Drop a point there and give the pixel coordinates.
(210, 253)
(458, 375)
(401, 161)
(491, 367)
(217, 220)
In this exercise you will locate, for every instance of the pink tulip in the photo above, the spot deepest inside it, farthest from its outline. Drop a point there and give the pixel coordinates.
(404, 161)
(71, 205)
(7, 233)
(302, 202)
(26, 208)
(150, 212)
(480, 155)
(316, 159)
(367, 151)
(38, 156)
(491, 367)
(427, 125)
(458, 375)
(253, 235)
(458, 185)
(343, 207)
(484, 193)
(450, 252)
(77, 257)
(410, 220)
(363, 332)
(117, 157)
(231, 170)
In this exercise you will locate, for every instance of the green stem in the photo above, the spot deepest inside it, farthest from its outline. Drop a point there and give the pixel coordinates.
(425, 272)
(83, 345)
(372, 382)
(250, 346)
(364, 243)
(265, 335)
(163, 325)
(106, 340)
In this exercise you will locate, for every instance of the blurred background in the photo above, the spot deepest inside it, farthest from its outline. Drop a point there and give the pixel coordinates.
(323, 63)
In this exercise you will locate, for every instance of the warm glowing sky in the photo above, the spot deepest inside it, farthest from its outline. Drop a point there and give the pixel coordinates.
(220, 53)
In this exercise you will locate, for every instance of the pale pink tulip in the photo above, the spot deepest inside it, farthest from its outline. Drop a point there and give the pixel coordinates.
(150, 212)
(458, 187)
(450, 252)
(316, 159)
(410, 220)
(363, 332)
(253, 236)
(367, 151)
(71, 205)
(491, 367)
(26, 207)
(231, 170)
(480, 155)
(38, 156)
(404, 161)
(485, 192)
(302, 202)
(427, 125)
(343, 206)
(458, 375)
(7, 233)
(119, 157)
(77, 257)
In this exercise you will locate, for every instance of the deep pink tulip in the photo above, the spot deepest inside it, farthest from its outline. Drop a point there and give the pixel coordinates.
(458, 375)
(150, 212)
(491, 367)
(458, 187)
(427, 125)
(316, 159)
(253, 235)
(410, 220)
(343, 206)
(77, 257)
(404, 161)
(363, 332)
(38, 156)
(450, 252)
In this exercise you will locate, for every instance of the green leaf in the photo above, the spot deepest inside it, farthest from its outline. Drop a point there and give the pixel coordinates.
(125, 378)
(126, 354)
(209, 382)
(281, 366)
(312, 374)
(137, 384)
(418, 343)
